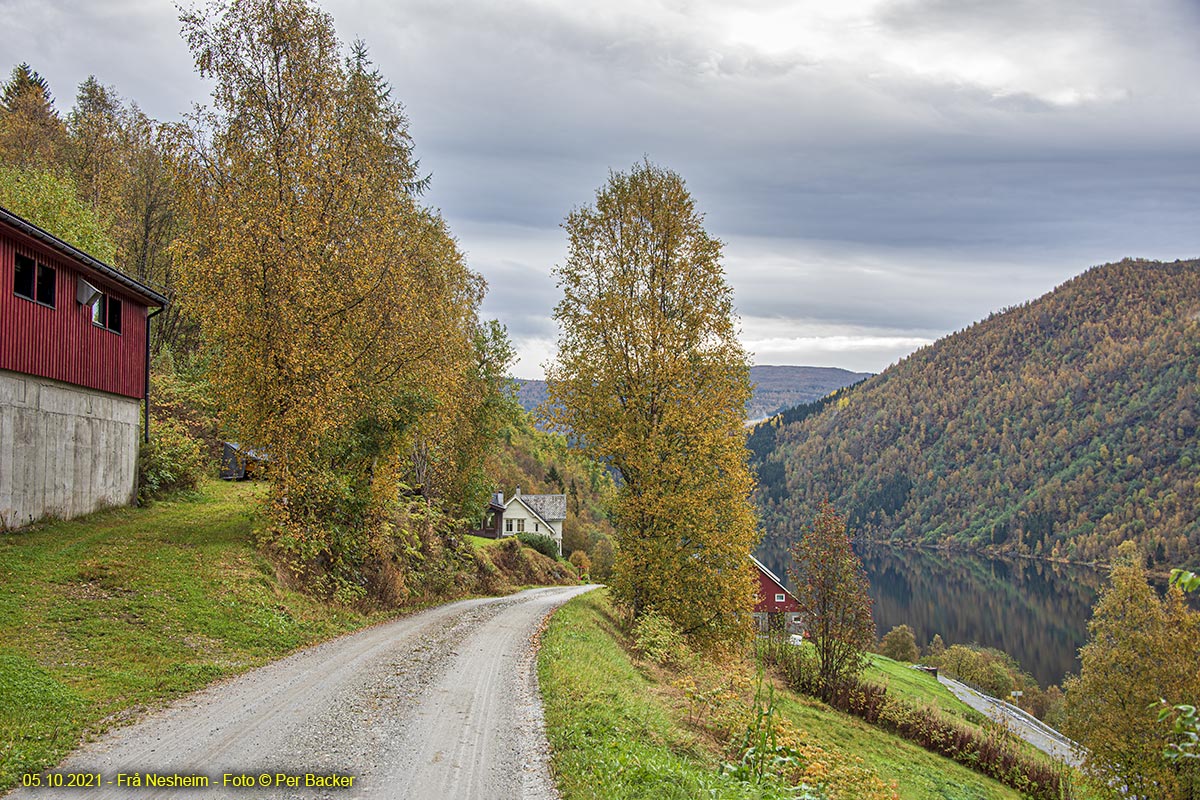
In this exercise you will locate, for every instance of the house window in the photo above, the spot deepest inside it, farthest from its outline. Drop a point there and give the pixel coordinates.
(34, 281)
(521, 526)
(537, 526)
(779, 598)
(508, 526)
(106, 312)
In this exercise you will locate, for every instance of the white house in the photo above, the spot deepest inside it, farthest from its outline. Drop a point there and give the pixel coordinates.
(536, 513)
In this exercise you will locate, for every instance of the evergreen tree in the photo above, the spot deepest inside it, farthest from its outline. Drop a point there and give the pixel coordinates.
(31, 133)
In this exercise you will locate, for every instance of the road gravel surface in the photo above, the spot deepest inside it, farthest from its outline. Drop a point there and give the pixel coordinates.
(439, 704)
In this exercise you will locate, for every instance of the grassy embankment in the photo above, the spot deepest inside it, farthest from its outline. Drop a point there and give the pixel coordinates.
(622, 728)
(125, 609)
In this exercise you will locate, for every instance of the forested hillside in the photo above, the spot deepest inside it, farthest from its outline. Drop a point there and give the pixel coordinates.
(1057, 428)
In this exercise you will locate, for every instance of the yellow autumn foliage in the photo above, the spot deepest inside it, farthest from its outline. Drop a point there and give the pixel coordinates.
(338, 317)
(651, 379)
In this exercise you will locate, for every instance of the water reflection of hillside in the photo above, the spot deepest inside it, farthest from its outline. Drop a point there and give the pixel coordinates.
(1036, 611)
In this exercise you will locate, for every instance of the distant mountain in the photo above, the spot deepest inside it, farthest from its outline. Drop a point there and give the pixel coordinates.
(775, 388)
(1057, 428)
(530, 393)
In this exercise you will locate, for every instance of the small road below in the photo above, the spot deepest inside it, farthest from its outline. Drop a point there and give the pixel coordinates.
(1021, 723)
(439, 704)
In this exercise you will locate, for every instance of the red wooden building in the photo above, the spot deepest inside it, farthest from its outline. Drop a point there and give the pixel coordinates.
(74, 345)
(774, 603)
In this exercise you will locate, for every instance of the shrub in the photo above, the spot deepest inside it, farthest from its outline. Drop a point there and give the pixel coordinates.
(658, 639)
(899, 644)
(541, 542)
(936, 649)
(170, 461)
(603, 557)
(581, 562)
(993, 671)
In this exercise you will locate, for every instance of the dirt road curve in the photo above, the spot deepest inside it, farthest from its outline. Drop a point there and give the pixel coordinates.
(441, 704)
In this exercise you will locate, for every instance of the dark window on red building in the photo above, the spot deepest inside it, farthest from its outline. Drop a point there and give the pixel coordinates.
(33, 281)
(106, 312)
(25, 278)
(114, 315)
(45, 285)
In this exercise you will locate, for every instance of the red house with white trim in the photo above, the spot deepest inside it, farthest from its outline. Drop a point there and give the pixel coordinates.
(74, 353)
(774, 604)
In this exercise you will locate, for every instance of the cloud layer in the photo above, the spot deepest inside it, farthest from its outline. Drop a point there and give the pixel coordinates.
(882, 171)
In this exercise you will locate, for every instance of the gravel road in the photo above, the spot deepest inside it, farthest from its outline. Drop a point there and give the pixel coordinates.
(440, 704)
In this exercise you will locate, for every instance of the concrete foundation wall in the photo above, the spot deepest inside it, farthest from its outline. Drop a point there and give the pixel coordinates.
(64, 450)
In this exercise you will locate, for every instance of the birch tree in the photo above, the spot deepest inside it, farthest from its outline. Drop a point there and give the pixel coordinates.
(1140, 648)
(337, 312)
(650, 378)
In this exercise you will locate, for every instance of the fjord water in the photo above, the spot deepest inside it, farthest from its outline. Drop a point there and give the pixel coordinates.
(1035, 611)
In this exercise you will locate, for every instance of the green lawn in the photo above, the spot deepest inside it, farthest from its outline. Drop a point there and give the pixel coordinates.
(481, 542)
(918, 687)
(131, 607)
(611, 738)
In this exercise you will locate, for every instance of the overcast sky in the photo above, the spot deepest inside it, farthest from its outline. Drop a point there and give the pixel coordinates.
(883, 172)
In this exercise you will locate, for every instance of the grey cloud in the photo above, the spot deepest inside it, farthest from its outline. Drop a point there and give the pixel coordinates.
(892, 291)
(133, 45)
(1023, 17)
(894, 199)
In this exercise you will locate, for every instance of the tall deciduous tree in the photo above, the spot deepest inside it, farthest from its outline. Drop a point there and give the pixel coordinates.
(831, 588)
(1140, 648)
(93, 151)
(650, 378)
(122, 162)
(337, 312)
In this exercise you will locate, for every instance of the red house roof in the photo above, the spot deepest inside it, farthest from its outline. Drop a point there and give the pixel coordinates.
(773, 596)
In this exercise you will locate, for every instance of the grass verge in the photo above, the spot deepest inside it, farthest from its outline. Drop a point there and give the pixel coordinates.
(623, 728)
(918, 687)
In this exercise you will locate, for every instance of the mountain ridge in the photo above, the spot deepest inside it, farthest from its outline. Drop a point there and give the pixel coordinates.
(1055, 428)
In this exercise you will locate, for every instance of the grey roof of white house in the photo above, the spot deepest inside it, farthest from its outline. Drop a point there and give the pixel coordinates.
(550, 507)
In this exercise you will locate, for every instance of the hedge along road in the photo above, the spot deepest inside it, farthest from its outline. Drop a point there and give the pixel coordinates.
(440, 704)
